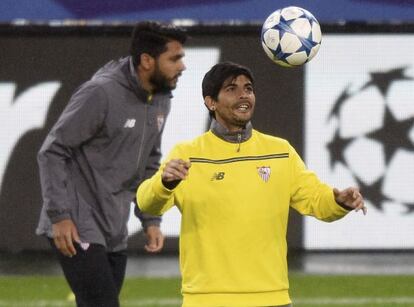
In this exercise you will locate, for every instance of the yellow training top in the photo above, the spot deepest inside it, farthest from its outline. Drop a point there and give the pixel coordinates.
(234, 205)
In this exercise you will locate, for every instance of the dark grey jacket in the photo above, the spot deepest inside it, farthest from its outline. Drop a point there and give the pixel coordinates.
(106, 141)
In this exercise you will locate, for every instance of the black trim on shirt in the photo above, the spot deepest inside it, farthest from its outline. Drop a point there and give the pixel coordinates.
(239, 159)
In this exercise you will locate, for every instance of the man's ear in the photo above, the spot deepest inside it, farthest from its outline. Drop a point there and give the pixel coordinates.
(210, 103)
(147, 62)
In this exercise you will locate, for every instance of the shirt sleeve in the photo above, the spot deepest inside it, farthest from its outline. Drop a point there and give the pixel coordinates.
(152, 196)
(310, 196)
(82, 118)
(145, 218)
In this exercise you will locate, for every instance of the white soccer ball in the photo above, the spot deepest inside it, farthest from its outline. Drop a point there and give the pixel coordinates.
(291, 36)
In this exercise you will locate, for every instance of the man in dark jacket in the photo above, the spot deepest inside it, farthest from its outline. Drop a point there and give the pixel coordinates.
(107, 141)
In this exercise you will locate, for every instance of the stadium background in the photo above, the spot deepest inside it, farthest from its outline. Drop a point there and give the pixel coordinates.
(49, 47)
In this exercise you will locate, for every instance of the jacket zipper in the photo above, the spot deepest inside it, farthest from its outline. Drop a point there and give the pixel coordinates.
(239, 137)
(144, 128)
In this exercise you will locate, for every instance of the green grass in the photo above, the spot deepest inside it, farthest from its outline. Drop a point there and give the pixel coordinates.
(306, 291)
(352, 290)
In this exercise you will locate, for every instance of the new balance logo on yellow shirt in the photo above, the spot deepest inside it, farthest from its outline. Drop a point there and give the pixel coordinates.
(218, 176)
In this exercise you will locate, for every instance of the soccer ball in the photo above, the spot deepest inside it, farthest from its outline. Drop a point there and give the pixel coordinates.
(291, 36)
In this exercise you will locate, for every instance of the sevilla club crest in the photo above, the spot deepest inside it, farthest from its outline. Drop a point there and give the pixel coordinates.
(264, 172)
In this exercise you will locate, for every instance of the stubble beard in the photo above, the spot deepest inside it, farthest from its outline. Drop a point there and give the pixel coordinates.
(160, 82)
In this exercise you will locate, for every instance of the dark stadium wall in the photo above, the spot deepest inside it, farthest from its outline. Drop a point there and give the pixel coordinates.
(69, 56)
(311, 106)
(28, 62)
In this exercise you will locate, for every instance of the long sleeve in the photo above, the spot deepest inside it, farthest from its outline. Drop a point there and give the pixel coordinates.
(79, 122)
(151, 167)
(152, 196)
(310, 196)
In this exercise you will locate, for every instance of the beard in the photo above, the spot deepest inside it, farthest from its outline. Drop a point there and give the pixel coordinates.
(240, 122)
(160, 82)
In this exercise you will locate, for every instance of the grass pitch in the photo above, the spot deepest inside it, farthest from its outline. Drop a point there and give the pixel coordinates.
(306, 291)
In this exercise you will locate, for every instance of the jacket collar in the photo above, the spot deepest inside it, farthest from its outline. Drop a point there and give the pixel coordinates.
(231, 137)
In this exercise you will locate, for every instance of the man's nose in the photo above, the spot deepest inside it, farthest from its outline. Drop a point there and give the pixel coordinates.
(183, 67)
(243, 93)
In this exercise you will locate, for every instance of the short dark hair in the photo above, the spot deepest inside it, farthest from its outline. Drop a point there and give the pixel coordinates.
(151, 37)
(214, 79)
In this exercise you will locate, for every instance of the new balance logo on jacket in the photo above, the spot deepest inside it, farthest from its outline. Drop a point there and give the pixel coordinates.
(130, 123)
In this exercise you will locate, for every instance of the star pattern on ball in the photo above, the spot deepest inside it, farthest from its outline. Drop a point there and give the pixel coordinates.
(306, 43)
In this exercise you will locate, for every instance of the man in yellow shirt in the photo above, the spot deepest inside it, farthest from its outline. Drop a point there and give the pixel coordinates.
(233, 186)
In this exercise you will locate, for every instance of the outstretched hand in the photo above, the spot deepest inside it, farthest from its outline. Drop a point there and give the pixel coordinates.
(351, 198)
(174, 171)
